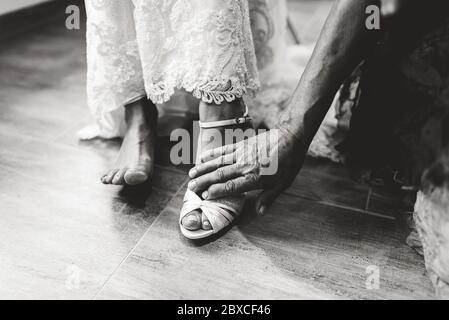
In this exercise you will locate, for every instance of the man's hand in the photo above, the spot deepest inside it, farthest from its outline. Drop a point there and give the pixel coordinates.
(242, 167)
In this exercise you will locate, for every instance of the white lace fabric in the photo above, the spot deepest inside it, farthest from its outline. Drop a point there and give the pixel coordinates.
(152, 47)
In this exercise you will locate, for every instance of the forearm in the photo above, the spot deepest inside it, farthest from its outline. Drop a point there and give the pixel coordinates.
(342, 45)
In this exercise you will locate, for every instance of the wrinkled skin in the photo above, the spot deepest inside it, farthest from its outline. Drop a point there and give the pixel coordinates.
(234, 169)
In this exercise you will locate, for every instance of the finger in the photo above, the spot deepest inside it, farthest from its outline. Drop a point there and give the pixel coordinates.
(212, 165)
(218, 152)
(266, 198)
(220, 175)
(232, 187)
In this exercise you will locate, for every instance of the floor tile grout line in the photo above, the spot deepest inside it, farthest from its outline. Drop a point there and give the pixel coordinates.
(119, 211)
(138, 242)
(368, 199)
(336, 205)
(361, 211)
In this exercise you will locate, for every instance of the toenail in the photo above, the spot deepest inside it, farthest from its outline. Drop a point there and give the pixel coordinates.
(205, 194)
(206, 223)
(192, 173)
(192, 219)
(192, 185)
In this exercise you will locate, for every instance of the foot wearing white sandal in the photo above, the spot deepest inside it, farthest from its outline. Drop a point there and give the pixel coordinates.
(135, 161)
(196, 211)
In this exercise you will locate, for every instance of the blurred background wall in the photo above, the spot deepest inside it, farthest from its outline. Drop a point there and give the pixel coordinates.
(7, 6)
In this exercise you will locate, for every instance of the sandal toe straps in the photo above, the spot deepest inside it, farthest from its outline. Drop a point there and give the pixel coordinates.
(220, 213)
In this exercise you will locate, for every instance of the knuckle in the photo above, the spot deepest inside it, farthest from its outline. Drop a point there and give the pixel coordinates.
(253, 168)
(230, 186)
(219, 174)
(252, 177)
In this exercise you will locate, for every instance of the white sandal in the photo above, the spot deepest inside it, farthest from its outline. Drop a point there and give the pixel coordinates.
(220, 212)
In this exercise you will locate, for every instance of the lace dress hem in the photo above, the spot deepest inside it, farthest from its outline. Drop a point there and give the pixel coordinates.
(215, 91)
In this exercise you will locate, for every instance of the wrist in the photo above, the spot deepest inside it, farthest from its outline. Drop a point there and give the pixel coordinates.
(293, 136)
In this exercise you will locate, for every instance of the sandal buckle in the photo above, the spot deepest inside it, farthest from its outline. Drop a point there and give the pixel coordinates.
(241, 120)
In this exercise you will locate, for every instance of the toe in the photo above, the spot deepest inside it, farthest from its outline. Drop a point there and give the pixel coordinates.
(109, 176)
(205, 222)
(119, 177)
(192, 221)
(133, 177)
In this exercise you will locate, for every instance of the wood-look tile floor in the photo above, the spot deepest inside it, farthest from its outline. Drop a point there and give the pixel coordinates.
(57, 221)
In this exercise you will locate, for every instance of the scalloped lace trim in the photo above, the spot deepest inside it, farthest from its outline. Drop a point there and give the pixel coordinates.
(210, 91)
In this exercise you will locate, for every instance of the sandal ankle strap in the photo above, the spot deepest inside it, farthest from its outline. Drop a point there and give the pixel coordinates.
(230, 122)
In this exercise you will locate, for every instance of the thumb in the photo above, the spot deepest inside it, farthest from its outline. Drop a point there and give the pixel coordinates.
(266, 199)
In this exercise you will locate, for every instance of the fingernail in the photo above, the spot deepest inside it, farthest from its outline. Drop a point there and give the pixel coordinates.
(205, 194)
(192, 173)
(262, 210)
(192, 185)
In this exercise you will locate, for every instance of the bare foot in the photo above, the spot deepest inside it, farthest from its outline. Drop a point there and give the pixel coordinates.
(210, 112)
(135, 161)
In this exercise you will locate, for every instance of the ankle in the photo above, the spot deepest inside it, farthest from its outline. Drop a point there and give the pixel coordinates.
(224, 111)
(140, 114)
